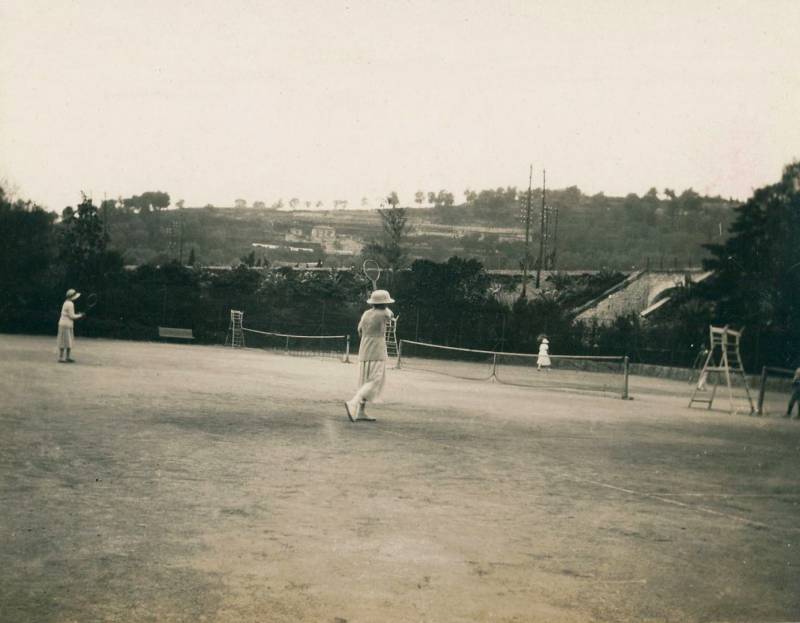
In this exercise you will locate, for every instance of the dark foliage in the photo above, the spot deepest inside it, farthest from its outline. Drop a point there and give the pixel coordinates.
(756, 280)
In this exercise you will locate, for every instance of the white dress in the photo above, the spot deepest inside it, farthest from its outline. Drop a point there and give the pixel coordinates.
(543, 359)
(372, 354)
(66, 335)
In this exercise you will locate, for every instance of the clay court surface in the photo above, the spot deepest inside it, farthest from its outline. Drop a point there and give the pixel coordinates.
(161, 482)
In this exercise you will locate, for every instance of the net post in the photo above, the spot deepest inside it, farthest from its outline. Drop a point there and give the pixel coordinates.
(762, 389)
(347, 350)
(287, 344)
(399, 354)
(625, 372)
(494, 367)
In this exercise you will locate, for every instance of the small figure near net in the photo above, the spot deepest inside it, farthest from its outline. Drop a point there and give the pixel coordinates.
(794, 399)
(543, 360)
(66, 324)
(372, 356)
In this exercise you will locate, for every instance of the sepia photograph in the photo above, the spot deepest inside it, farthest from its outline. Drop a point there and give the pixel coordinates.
(409, 311)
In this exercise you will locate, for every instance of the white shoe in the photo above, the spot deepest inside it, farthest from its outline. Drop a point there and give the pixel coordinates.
(362, 414)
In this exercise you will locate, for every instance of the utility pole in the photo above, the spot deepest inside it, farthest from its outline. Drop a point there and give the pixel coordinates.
(527, 236)
(542, 233)
(105, 217)
(180, 237)
(555, 239)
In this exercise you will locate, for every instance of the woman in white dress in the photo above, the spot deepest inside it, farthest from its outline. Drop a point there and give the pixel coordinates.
(543, 360)
(371, 356)
(66, 324)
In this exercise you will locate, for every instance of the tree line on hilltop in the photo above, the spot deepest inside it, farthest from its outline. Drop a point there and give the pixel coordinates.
(592, 232)
(755, 284)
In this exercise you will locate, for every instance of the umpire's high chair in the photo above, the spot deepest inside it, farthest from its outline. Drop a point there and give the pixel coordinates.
(235, 336)
(724, 359)
(391, 337)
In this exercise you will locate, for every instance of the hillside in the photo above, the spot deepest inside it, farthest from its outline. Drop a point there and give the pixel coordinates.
(591, 232)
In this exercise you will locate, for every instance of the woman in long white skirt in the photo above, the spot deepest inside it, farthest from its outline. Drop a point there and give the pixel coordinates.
(371, 356)
(543, 360)
(66, 324)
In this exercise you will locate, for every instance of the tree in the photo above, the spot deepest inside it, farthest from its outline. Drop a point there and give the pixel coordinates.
(192, 258)
(419, 198)
(392, 199)
(395, 224)
(249, 259)
(690, 201)
(180, 203)
(442, 199)
(83, 253)
(259, 205)
(240, 203)
(150, 201)
(449, 285)
(294, 203)
(757, 275)
(390, 252)
(490, 205)
(571, 197)
(673, 206)
(758, 267)
(25, 254)
(651, 195)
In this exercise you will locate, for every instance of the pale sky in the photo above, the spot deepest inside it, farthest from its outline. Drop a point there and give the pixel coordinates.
(212, 101)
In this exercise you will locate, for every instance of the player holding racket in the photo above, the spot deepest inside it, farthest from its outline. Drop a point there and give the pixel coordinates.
(66, 323)
(371, 355)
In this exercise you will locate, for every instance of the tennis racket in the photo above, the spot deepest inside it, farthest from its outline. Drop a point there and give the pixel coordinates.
(372, 271)
(91, 301)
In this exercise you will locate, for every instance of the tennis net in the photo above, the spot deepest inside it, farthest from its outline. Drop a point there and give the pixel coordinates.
(337, 346)
(596, 374)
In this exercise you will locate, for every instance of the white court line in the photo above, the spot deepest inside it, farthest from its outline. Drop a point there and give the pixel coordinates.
(640, 494)
(728, 495)
(702, 509)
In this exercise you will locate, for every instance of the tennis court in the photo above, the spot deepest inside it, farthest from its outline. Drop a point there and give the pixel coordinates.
(162, 482)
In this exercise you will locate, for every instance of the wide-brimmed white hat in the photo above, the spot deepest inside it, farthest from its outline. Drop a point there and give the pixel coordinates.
(73, 294)
(380, 297)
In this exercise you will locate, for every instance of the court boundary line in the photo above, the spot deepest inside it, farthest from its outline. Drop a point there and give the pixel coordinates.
(641, 494)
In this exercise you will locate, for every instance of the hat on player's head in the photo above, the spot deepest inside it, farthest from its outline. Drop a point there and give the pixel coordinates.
(545, 340)
(380, 297)
(72, 294)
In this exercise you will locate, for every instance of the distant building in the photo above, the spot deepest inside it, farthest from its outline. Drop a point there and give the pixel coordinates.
(323, 233)
(295, 235)
(343, 245)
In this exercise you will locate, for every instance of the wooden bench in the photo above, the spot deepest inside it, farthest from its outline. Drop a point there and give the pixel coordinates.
(175, 334)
